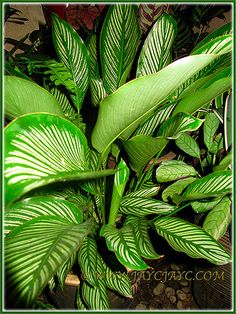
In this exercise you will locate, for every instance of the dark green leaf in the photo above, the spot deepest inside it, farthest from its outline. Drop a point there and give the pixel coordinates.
(188, 145)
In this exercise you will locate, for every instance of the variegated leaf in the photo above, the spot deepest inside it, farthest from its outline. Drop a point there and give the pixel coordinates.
(65, 268)
(219, 45)
(119, 282)
(192, 240)
(95, 297)
(188, 145)
(124, 244)
(145, 192)
(156, 51)
(98, 91)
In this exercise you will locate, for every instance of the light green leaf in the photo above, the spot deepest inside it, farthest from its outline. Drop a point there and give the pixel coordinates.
(192, 240)
(22, 211)
(41, 149)
(225, 163)
(156, 51)
(217, 221)
(173, 170)
(73, 53)
(219, 45)
(145, 191)
(23, 96)
(98, 91)
(124, 244)
(137, 100)
(95, 297)
(142, 148)
(228, 114)
(144, 244)
(118, 44)
(188, 145)
(210, 127)
(176, 188)
(202, 207)
(65, 268)
(34, 251)
(91, 44)
(142, 206)
(119, 282)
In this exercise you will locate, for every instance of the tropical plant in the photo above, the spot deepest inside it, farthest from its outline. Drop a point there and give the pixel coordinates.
(72, 199)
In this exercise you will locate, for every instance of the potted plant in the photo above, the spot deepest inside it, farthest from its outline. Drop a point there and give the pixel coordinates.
(65, 205)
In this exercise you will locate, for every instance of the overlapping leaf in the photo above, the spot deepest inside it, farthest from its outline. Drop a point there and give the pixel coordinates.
(65, 268)
(219, 45)
(95, 297)
(188, 145)
(202, 207)
(191, 240)
(210, 126)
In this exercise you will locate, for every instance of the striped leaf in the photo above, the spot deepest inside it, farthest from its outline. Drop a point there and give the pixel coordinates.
(98, 91)
(73, 54)
(34, 251)
(188, 145)
(79, 302)
(202, 207)
(118, 44)
(123, 243)
(173, 170)
(144, 244)
(65, 268)
(22, 211)
(213, 185)
(156, 51)
(217, 221)
(176, 188)
(41, 149)
(91, 44)
(142, 206)
(145, 191)
(180, 123)
(137, 100)
(219, 45)
(210, 127)
(192, 240)
(119, 282)
(23, 96)
(95, 297)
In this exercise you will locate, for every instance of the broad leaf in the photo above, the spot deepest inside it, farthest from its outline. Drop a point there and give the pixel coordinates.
(124, 244)
(136, 101)
(202, 207)
(41, 149)
(22, 211)
(35, 251)
(145, 192)
(156, 51)
(118, 44)
(219, 45)
(190, 239)
(23, 96)
(73, 54)
(174, 170)
(95, 297)
(98, 91)
(225, 163)
(65, 268)
(188, 145)
(210, 127)
(142, 206)
(91, 44)
(119, 282)
(144, 244)
(217, 221)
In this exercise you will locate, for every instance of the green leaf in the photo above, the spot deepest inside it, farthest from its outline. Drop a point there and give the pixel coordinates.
(123, 243)
(145, 191)
(173, 127)
(98, 91)
(173, 170)
(119, 282)
(192, 240)
(42, 149)
(210, 127)
(22, 211)
(79, 302)
(225, 163)
(228, 121)
(142, 148)
(142, 206)
(217, 221)
(213, 185)
(176, 188)
(219, 45)
(188, 145)
(91, 44)
(65, 268)
(202, 207)
(144, 244)
(118, 44)
(136, 101)
(95, 297)
(23, 96)
(34, 251)
(156, 51)
(73, 53)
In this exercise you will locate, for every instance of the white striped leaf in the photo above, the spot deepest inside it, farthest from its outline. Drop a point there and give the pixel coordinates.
(213, 185)
(217, 221)
(22, 211)
(65, 268)
(119, 282)
(145, 192)
(91, 44)
(176, 188)
(118, 44)
(73, 53)
(98, 91)
(173, 170)
(180, 123)
(192, 240)
(42, 149)
(219, 45)
(188, 145)
(202, 207)
(156, 51)
(34, 252)
(142, 206)
(144, 244)
(95, 297)
(137, 100)
(210, 127)
(23, 96)
(123, 243)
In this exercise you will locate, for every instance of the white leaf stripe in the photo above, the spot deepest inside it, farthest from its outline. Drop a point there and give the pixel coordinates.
(35, 251)
(119, 282)
(65, 268)
(145, 192)
(191, 239)
(98, 91)
(219, 45)
(95, 297)
(25, 210)
(142, 206)
(156, 51)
